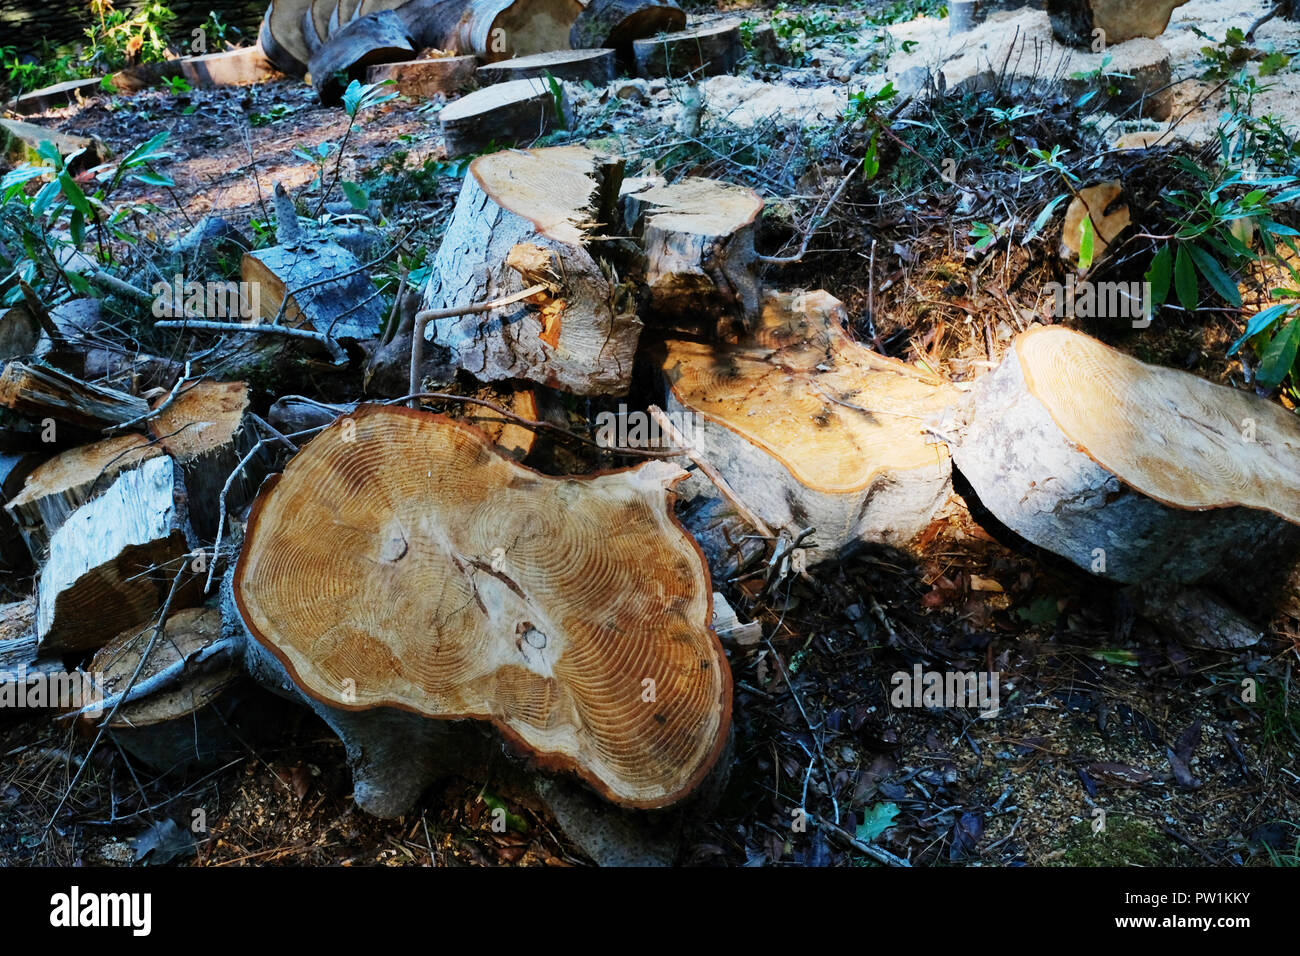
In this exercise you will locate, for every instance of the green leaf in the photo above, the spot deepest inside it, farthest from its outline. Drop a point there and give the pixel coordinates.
(1279, 358)
(357, 196)
(50, 153)
(513, 822)
(77, 227)
(871, 161)
(1260, 322)
(1159, 275)
(45, 197)
(74, 195)
(1041, 220)
(1041, 610)
(80, 284)
(875, 821)
(145, 152)
(1185, 279)
(1086, 240)
(1219, 280)
(352, 97)
(1112, 656)
(150, 178)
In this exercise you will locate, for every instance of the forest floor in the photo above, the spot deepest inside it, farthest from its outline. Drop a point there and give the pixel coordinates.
(1114, 743)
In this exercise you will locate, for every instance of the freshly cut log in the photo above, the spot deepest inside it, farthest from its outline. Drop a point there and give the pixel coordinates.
(1074, 22)
(376, 38)
(499, 29)
(593, 66)
(208, 432)
(57, 488)
(812, 430)
(541, 211)
(1096, 203)
(242, 66)
(425, 78)
(702, 51)
(616, 23)
(401, 562)
(53, 97)
(112, 562)
(503, 114)
(281, 36)
(698, 236)
(39, 392)
(344, 305)
(171, 716)
(1131, 471)
(20, 659)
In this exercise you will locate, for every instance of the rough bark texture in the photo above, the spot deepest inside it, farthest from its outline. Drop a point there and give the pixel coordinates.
(39, 392)
(578, 339)
(704, 51)
(1040, 484)
(281, 37)
(507, 113)
(425, 78)
(345, 307)
(111, 564)
(593, 66)
(375, 38)
(615, 24)
(1073, 21)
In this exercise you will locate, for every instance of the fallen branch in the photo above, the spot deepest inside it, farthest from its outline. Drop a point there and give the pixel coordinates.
(335, 350)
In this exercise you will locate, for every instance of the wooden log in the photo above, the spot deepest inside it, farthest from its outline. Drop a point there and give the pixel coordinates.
(426, 78)
(500, 29)
(430, 24)
(143, 76)
(1075, 22)
(112, 562)
(966, 15)
(57, 488)
(699, 52)
(243, 66)
(54, 97)
(698, 237)
(615, 24)
(208, 432)
(16, 464)
(19, 332)
(1131, 471)
(503, 114)
(376, 38)
(812, 430)
(550, 204)
(591, 66)
(319, 14)
(40, 392)
(21, 662)
(281, 37)
(328, 290)
(21, 141)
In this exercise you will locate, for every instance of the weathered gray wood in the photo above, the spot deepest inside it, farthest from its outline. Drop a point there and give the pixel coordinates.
(503, 114)
(375, 38)
(695, 53)
(328, 290)
(615, 24)
(40, 392)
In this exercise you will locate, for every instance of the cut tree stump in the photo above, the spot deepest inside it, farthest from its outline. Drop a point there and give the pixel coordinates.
(281, 36)
(208, 432)
(592, 66)
(1097, 203)
(500, 29)
(463, 585)
(54, 97)
(112, 562)
(966, 15)
(812, 430)
(503, 114)
(376, 38)
(19, 332)
(172, 715)
(524, 218)
(698, 237)
(426, 78)
(39, 392)
(615, 24)
(1074, 22)
(699, 52)
(1132, 471)
(328, 290)
(57, 488)
(243, 66)
(24, 139)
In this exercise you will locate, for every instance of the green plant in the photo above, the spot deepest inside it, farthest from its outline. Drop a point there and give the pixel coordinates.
(357, 98)
(179, 85)
(1225, 58)
(1102, 80)
(1286, 857)
(120, 39)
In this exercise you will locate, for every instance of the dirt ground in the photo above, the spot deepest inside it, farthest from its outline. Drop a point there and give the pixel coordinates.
(1114, 743)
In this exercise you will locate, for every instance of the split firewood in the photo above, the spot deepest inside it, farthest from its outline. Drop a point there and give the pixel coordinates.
(812, 430)
(113, 562)
(376, 38)
(528, 218)
(208, 430)
(571, 613)
(499, 29)
(592, 66)
(1076, 22)
(134, 372)
(698, 236)
(1131, 471)
(615, 24)
(168, 710)
(426, 78)
(39, 392)
(243, 66)
(22, 667)
(505, 113)
(57, 488)
(702, 51)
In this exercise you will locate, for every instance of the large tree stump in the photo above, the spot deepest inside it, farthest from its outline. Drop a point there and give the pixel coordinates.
(698, 237)
(328, 289)
(281, 36)
(526, 218)
(592, 66)
(812, 430)
(112, 562)
(694, 53)
(425, 78)
(243, 66)
(500, 29)
(1075, 22)
(1129, 470)
(615, 24)
(519, 111)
